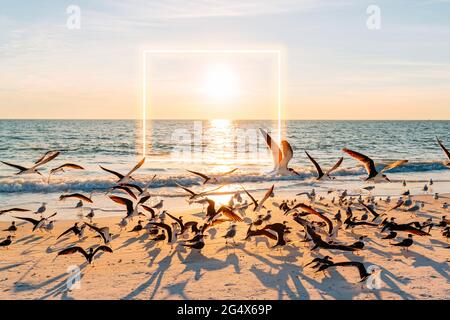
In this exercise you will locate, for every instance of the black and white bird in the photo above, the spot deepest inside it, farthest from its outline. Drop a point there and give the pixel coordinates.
(47, 157)
(7, 242)
(127, 177)
(320, 173)
(212, 178)
(281, 157)
(405, 243)
(37, 224)
(89, 256)
(447, 153)
(12, 228)
(363, 273)
(369, 165)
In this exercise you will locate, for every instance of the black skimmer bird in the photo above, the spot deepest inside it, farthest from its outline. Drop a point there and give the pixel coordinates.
(363, 274)
(103, 232)
(369, 165)
(319, 261)
(127, 177)
(12, 228)
(63, 168)
(258, 205)
(196, 195)
(198, 245)
(7, 242)
(281, 157)
(137, 228)
(49, 156)
(307, 210)
(75, 229)
(37, 224)
(405, 243)
(89, 256)
(391, 235)
(164, 227)
(280, 229)
(132, 209)
(13, 210)
(447, 153)
(320, 173)
(211, 212)
(212, 178)
(78, 196)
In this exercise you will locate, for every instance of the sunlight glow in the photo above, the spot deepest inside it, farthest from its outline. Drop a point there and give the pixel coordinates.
(221, 83)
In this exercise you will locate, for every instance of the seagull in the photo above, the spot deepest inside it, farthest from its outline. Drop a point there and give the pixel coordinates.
(37, 224)
(369, 165)
(231, 233)
(41, 209)
(447, 153)
(282, 157)
(212, 179)
(195, 195)
(88, 255)
(125, 178)
(90, 215)
(49, 156)
(320, 173)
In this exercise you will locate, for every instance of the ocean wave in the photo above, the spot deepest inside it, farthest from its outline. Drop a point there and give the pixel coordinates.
(165, 180)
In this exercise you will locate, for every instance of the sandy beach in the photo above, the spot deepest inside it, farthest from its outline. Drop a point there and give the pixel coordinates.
(140, 269)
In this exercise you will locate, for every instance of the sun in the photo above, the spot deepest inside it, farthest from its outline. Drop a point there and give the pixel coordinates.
(221, 83)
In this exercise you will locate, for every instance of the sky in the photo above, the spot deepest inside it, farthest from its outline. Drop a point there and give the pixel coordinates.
(332, 65)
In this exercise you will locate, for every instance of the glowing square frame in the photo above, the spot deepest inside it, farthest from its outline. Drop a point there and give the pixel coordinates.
(202, 51)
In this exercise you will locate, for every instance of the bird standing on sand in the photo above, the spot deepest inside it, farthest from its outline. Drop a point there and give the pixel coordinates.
(405, 243)
(12, 228)
(231, 233)
(7, 242)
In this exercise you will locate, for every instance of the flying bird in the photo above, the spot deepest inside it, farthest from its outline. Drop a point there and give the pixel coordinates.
(320, 173)
(127, 177)
(89, 256)
(447, 153)
(49, 156)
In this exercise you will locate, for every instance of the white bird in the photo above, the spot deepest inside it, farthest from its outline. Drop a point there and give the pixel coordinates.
(281, 157)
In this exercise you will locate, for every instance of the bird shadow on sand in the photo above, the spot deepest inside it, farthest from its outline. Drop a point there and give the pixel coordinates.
(278, 277)
(155, 279)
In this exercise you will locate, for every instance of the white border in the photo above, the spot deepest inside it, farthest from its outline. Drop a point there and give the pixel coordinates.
(170, 51)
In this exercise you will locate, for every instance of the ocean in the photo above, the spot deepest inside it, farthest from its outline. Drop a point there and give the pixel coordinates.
(172, 146)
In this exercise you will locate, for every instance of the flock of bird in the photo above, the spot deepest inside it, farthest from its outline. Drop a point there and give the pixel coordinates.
(317, 226)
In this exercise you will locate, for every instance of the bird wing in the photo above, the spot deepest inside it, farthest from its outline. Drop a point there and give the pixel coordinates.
(276, 152)
(31, 220)
(13, 210)
(78, 196)
(143, 200)
(369, 165)
(45, 155)
(361, 269)
(370, 210)
(102, 248)
(398, 205)
(126, 190)
(123, 201)
(227, 212)
(46, 158)
(314, 162)
(204, 176)
(137, 166)
(165, 227)
(228, 172)
(394, 165)
(134, 186)
(118, 175)
(147, 208)
(15, 166)
(310, 210)
(266, 196)
(443, 148)
(266, 233)
(251, 197)
(180, 223)
(186, 189)
(73, 250)
(288, 153)
(337, 165)
(65, 232)
(96, 229)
